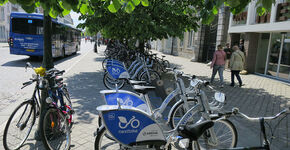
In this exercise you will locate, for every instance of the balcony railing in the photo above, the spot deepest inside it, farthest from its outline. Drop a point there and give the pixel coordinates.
(264, 18)
(283, 12)
(240, 18)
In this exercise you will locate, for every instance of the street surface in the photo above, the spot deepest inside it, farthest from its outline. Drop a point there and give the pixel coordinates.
(260, 96)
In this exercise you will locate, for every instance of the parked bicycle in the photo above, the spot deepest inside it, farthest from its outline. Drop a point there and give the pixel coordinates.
(265, 144)
(195, 107)
(57, 120)
(117, 73)
(22, 119)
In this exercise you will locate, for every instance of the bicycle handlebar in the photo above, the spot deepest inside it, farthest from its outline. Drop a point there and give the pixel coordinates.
(236, 111)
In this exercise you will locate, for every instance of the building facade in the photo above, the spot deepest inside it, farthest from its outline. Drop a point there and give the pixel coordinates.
(199, 45)
(266, 39)
(5, 11)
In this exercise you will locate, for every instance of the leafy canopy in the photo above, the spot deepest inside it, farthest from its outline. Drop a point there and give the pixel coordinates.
(207, 8)
(160, 19)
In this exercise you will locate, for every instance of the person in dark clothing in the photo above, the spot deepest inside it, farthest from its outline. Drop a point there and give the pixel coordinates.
(241, 45)
(228, 51)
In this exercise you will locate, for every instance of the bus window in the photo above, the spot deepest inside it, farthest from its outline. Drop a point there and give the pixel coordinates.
(27, 26)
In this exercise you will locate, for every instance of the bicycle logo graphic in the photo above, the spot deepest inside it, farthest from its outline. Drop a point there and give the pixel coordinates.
(115, 70)
(127, 102)
(133, 122)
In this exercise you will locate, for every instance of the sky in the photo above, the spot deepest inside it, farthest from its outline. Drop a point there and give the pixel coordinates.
(75, 17)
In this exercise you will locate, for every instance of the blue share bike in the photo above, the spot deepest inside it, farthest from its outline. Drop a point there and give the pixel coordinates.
(117, 73)
(223, 128)
(133, 128)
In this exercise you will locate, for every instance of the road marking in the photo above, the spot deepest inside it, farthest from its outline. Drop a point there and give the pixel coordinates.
(76, 62)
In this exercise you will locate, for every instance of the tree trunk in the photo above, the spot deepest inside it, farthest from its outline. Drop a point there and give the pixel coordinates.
(141, 46)
(47, 63)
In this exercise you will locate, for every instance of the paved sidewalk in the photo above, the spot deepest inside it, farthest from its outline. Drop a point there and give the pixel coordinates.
(84, 81)
(3, 44)
(260, 96)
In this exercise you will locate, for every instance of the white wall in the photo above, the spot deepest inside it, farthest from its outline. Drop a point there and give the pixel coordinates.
(251, 26)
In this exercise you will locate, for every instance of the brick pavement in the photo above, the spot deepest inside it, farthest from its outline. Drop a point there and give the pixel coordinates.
(260, 96)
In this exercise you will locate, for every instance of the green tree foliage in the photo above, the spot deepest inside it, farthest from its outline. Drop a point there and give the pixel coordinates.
(207, 8)
(156, 19)
(159, 19)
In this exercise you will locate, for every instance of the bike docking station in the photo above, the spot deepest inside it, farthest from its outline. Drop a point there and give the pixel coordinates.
(117, 69)
(126, 98)
(130, 126)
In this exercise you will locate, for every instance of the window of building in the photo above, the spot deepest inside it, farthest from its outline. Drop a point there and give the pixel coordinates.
(181, 43)
(2, 15)
(2, 32)
(190, 39)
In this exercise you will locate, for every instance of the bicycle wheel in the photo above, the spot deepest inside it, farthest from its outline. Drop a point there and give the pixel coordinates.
(19, 125)
(154, 76)
(104, 63)
(68, 106)
(110, 82)
(157, 67)
(100, 124)
(165, 64)
(226, 135)
(178, 112)
(55, 131)
(102, 142)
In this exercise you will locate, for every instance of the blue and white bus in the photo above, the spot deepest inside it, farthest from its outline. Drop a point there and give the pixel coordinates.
(26, 36)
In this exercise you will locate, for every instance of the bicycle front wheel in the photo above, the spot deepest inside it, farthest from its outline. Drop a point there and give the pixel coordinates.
(154, 76)
(55, 131)
(179, 111)
(225, 133)
(110, 82)
(102, 142)
(19, 125)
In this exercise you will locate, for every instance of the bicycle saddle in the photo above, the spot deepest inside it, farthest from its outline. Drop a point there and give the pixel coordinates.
(194, 131)
(143, 89)
(136, 82)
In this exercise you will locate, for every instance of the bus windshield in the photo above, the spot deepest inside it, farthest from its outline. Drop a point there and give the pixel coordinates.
(27, 26)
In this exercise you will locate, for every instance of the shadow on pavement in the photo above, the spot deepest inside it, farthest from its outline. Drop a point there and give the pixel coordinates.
(36, 62)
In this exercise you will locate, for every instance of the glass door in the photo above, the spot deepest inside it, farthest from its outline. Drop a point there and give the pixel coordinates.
(274, 54)
(279, 56)
(284, 67)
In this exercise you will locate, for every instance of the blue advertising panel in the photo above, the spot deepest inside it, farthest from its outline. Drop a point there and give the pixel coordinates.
(117, 72)
(131, 126)
(126, 99)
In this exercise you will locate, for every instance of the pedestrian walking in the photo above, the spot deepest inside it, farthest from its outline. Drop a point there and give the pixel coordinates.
(218, 64)
(228, 51)
(236, 65)
(241, 45)
(96, 47)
